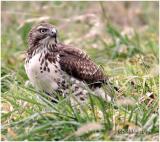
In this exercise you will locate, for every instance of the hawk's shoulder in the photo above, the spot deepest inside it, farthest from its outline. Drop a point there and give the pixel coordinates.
(77, 63)
(72, 51)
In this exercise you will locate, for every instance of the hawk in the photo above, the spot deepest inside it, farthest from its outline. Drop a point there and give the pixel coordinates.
(54, 67)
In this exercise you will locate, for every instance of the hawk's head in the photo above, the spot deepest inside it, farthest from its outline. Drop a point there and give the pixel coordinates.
(42, 32)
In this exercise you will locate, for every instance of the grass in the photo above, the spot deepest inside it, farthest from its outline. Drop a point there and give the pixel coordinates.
(130, 61)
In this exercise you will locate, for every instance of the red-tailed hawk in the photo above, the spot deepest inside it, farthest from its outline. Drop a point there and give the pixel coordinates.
(52, 66)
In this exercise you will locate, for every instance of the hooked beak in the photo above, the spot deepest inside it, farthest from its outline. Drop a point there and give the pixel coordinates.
(53, 33)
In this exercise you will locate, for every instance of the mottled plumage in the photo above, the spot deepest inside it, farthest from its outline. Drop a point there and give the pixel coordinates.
(52, 66)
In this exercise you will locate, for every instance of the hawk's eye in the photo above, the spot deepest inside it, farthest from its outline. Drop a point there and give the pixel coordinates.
(43, 30)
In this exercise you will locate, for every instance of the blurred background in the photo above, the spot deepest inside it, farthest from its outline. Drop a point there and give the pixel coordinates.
(83, 24)
(120, 36)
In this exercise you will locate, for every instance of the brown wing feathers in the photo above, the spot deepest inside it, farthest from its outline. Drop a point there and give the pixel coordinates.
(76, 63)
(72, 51)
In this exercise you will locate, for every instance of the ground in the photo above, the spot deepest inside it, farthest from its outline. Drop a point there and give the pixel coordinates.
(122, 37)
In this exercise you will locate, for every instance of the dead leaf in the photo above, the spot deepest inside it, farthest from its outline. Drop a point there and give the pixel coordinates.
(126, 101)
(11, 132)
(88, 128)
(6, 107)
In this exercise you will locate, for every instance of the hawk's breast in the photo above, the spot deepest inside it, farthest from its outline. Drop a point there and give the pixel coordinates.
(44, 75)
